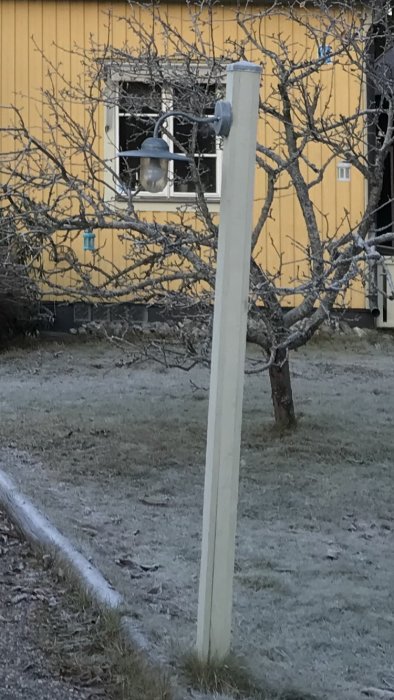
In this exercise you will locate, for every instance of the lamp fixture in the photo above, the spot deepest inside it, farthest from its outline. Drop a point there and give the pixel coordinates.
(155, 153)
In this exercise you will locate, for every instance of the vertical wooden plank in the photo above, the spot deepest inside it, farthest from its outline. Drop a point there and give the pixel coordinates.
(2, 102)
(8, 49)
(22, 66)
(44, 14)
(64, 43)
(35, 40)
(76, 39)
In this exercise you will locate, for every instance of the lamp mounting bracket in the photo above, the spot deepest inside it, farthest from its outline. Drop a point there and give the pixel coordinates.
(221, 121)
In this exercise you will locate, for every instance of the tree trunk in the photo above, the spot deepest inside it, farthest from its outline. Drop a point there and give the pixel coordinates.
(282, 396)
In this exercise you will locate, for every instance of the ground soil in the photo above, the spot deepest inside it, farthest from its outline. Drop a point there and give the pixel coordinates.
(32, 608)
(114, 454)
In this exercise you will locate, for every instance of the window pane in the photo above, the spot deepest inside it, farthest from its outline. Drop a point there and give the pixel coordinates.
(194, 140)
(183, 133)
(132, 132)
(199, 139)
(183, 181)
(139, 98)
(129, 172)
(198, 98)
(200, 101)
(182, 178)
(206, 139)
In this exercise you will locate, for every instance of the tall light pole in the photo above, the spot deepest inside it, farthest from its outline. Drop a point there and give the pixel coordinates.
(236, 121)
(227, 365)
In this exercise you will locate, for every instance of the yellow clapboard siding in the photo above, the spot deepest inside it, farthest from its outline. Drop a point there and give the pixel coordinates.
(8, 48)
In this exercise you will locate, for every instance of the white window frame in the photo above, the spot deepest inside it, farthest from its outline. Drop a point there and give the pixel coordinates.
(143, 200)
(344, 171)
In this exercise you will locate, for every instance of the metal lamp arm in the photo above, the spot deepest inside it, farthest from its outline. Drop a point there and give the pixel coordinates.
(221, 121)
(182, 115)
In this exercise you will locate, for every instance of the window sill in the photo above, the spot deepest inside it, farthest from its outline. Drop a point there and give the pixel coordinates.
(157, 203)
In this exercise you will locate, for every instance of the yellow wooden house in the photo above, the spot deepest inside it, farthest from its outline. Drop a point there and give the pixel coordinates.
(38, 36)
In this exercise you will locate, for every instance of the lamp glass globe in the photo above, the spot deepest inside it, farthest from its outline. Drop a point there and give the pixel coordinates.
(153, 174)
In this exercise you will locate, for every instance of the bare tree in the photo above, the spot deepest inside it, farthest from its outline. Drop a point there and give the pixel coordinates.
(19, 293)
(60, 184)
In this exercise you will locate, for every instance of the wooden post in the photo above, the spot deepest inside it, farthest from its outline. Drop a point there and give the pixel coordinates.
(227, 368)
